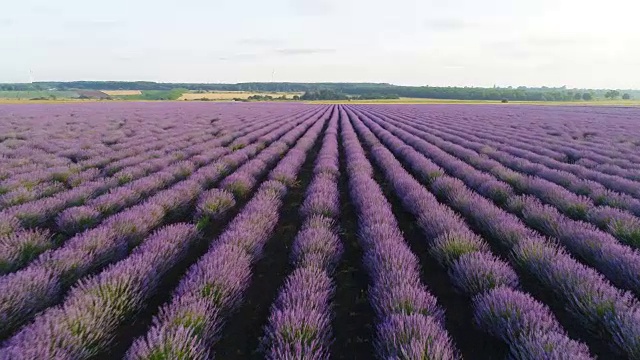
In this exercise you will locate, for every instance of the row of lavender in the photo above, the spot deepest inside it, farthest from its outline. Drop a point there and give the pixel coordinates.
(590, 299)
(45, 281)
(213, 287)
(500, 309)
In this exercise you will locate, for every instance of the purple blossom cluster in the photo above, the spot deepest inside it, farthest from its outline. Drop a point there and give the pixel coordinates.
(8, 224)
(214, 286)
(19, 248)
(22, 195)
(213, 203)
(75, 176)
(175, 200)
(619, 223)
(529, 326)
(474, 179)
(43, 282)
(322, 197)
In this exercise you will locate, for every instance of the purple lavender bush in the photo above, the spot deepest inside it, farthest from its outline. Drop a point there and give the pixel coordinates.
(77, 219)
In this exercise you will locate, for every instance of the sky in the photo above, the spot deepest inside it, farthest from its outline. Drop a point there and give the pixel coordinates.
(575, 43)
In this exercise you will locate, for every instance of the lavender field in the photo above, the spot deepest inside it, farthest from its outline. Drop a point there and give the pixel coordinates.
(294, 231)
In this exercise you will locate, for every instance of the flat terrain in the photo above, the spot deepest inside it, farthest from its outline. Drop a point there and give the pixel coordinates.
(166, 230)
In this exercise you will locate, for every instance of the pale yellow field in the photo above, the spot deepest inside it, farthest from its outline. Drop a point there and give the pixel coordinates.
(121, 92)
(230, 95)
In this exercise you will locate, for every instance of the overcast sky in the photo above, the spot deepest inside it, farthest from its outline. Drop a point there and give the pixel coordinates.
(578, 43)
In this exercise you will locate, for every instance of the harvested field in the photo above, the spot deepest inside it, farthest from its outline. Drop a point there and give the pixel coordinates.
(122, 92)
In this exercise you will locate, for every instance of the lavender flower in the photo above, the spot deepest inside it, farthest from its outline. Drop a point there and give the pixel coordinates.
(8, 224)
(21, 247)
(477, 272)
(622, 225)
(413, 337)
(299, 322)
(176, 343)
(509, 315)
(214, 203)
(23, 294)
(447, 248)
(77, 219)
(322, 198)
(316, 247)
(238, 183)
(552, 346)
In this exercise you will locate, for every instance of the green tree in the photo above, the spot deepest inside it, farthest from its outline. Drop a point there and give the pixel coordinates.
(577, 96)
(626, 96)
(612, 94)
(587, 97)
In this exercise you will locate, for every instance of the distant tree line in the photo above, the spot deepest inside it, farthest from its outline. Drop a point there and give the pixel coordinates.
(351, 90)
(380, 96)
(325, 94)
(267, 97)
